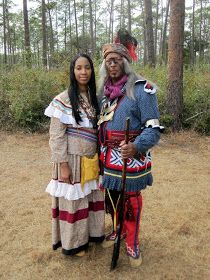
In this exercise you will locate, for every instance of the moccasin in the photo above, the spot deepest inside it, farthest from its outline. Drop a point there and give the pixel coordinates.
(135, 262)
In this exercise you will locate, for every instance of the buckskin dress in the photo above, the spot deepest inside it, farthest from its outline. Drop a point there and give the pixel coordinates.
(77, 211)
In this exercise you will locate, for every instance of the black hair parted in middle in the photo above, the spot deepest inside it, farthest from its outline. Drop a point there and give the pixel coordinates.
(73, 90)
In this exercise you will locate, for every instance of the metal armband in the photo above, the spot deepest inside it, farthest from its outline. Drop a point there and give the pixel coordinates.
(152, 123)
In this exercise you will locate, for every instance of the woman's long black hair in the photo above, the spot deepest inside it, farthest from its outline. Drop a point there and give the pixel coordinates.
(73, 90)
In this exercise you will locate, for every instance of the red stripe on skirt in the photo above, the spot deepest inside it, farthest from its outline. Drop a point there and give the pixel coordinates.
(68, 217)
(96, 206)
(55, 212)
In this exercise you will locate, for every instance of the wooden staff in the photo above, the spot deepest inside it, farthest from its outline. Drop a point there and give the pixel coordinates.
(116, 250)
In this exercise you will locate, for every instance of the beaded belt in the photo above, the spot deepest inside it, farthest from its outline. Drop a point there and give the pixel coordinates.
(84, 133)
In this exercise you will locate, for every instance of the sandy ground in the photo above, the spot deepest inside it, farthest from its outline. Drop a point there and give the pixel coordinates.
(175, 229)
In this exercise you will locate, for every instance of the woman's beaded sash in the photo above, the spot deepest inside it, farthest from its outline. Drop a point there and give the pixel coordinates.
(89, 135)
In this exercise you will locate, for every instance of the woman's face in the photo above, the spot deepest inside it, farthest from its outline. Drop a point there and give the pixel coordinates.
(82, 71)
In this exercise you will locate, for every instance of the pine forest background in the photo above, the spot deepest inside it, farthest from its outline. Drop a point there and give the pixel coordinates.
(38, 42)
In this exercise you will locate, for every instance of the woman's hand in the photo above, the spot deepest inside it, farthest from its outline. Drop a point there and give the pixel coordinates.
(66, 173)
(127, 150)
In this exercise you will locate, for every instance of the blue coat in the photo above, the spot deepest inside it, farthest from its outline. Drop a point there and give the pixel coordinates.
(140, 110)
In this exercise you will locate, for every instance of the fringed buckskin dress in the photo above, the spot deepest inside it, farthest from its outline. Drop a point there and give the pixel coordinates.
(77, 210)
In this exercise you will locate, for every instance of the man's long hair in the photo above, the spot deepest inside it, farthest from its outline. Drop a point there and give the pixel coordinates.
(73, 90)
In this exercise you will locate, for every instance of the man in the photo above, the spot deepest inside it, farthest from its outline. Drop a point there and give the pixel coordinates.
(126, 95)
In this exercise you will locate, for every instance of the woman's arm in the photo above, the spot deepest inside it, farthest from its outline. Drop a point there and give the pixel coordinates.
(59, 148)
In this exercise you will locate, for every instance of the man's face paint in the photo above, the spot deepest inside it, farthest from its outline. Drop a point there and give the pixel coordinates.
(115, 66)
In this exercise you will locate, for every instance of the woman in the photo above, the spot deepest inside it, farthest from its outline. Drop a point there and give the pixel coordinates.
(77, 203)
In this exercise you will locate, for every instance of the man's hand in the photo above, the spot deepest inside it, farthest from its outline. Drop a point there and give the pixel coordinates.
(66, 173)
(127, 150)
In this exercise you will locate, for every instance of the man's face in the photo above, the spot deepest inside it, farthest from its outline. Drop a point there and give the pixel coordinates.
(115, 66)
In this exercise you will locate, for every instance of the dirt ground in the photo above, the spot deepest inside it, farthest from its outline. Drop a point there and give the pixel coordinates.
(175, 229)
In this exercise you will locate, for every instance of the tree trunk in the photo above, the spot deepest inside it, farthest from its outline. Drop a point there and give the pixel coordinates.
(111, 19)
(144, 33)
(192, 45)
(163, 43)
(56, 24)
(44, 35)
(9, 41)
(91, 27)
(38, 53)
(65, 31)
(70, 35)
(149, 32)
(83, 22)
(52, 44)
(129, 16)
(161, 32)
(27, 36)
(206, 34)
(156, 25)
(75, 16)
(14, 46)
(175, 63)
(122, 15)
(200, 32)
(5, 33)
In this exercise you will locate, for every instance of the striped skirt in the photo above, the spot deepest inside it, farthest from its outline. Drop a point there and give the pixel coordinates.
(77, 210)
(77, 222)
